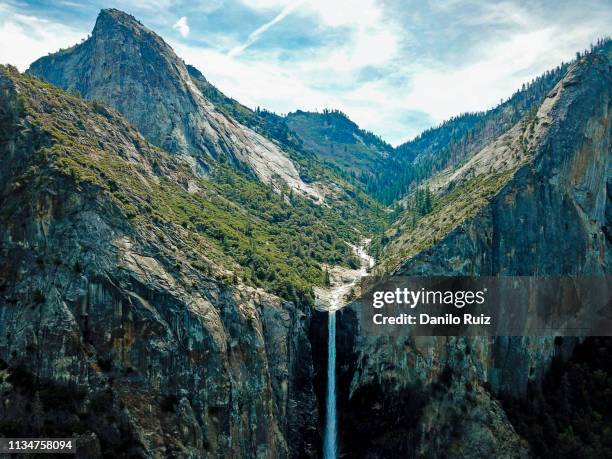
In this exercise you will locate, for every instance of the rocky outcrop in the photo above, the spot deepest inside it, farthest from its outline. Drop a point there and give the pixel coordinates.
(119, 329)
(130, 68)
(536, 202)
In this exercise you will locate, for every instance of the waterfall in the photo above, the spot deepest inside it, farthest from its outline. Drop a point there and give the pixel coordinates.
(330, 448)
(333, 298)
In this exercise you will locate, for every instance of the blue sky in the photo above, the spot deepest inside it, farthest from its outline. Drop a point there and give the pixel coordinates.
(395, 67)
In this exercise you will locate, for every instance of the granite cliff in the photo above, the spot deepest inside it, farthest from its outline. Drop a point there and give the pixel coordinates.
(119, 324)
(533, 202)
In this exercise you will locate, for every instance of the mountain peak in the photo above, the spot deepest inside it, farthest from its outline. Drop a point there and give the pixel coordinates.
(131, 68)
(119, 26)
(112, 16)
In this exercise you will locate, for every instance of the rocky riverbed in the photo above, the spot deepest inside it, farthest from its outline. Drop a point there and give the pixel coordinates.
(344, 282)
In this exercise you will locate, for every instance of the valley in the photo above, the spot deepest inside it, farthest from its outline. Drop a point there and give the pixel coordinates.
(177, 270)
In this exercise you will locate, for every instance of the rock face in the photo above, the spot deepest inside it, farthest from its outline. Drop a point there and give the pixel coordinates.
(130, 68)
(547, 212)
(107, 329)
(129, 328)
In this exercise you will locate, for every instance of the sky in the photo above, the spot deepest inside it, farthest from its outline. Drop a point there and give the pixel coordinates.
(394, 67)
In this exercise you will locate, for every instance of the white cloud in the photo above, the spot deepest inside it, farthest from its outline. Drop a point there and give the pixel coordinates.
(182, 26)
(315, 78)
(153, 6)
(501, 69)
(496, 66)
(254, 36)
(335, 13)
(26, 38)
(374, 68)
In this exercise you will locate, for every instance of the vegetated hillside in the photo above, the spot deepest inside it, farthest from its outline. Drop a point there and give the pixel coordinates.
(534, 202)
(138, 297)
(389, 174)
(459, 192)
(456, 139)
(271, 240)
(338, 141)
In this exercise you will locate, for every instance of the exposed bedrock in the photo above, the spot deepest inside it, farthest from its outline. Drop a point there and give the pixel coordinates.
(435, 396)
(108, 331)
(180, 365)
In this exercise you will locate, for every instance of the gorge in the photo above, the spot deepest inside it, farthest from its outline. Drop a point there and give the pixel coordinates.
(177, 271)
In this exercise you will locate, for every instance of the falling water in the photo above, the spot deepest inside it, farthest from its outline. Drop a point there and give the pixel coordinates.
(330, 449)
(335, 298)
